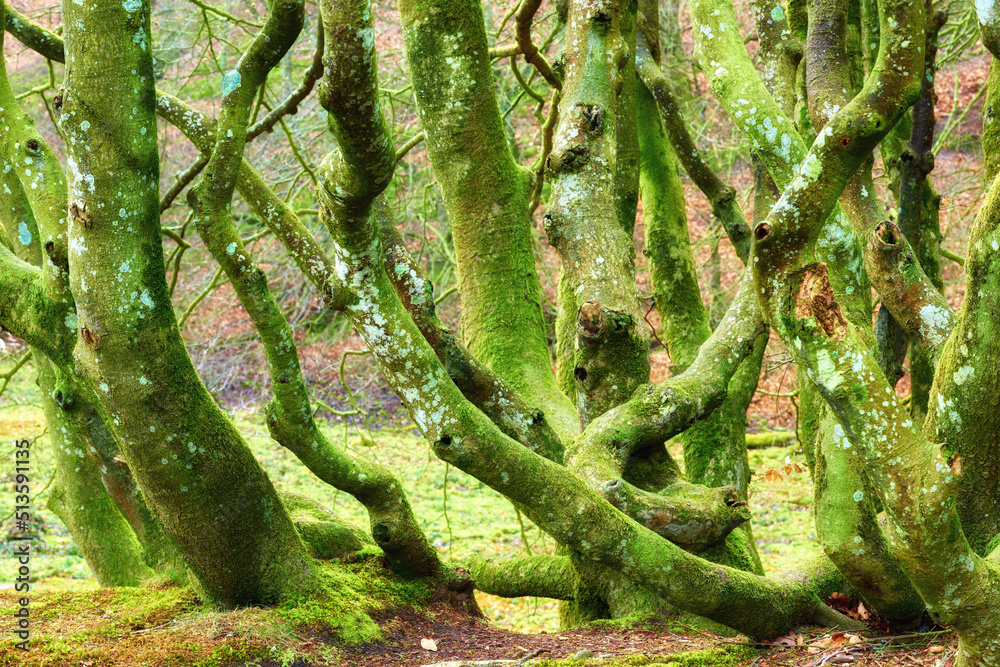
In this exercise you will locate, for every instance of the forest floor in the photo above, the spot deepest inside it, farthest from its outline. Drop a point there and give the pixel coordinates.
(169, 626)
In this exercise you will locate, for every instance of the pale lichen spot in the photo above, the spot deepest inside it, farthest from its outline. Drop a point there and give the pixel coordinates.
(230, 82)
(936, 323)
(985, 12)
(963, 374)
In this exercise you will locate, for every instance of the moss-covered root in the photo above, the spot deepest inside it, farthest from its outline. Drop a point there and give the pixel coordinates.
(79, 499)
(486, 195)
(586, 219)
(541, 576)
(324, 532)
(484, 388)
(393, 524)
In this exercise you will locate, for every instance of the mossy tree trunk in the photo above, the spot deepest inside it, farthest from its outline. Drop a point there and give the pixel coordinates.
(915, 482)
(592, 207)
(96, 499)
(486, 195)
(193, 466)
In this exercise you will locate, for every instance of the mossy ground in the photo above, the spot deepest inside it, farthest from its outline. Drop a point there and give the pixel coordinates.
(165, 624)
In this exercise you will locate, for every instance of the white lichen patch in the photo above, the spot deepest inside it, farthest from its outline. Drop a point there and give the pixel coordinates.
(24, 234)
(985, 11)
(935, 323)
(963, 374)
(230, 82)
(829, 374)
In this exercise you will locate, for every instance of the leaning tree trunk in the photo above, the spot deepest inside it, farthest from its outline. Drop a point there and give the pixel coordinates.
(193, 466)
(99, 529)
(85, 473)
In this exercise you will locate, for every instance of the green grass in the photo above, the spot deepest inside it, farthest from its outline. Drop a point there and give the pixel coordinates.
(459, 514)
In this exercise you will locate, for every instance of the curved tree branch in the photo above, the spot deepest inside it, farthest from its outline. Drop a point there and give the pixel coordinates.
(721, 196)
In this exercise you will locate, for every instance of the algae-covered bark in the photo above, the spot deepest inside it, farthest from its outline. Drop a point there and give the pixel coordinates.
(589, 215)
(193, 466)
(78, 498)
(849, 529)
(486, 194)
(559, 502)
(916, 484)
(963, 415)
(98, 501)
(628, 523)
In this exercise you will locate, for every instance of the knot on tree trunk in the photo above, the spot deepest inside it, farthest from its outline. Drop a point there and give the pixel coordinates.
(570, 160)
(591, 324)
(891, 248)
